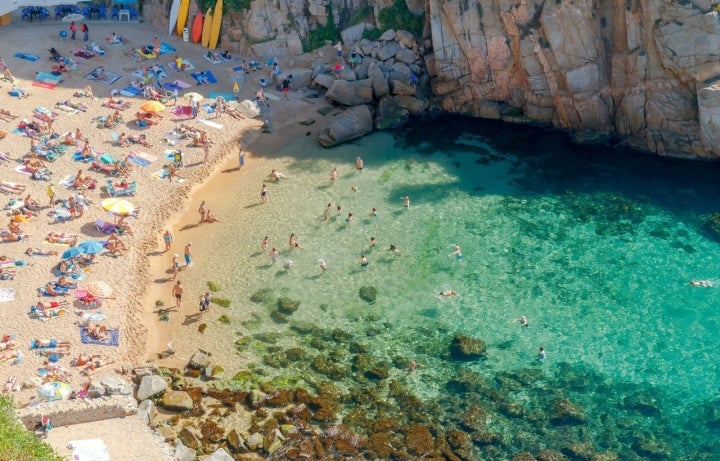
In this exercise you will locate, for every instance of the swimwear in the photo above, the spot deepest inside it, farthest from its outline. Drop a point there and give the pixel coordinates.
(178, 296)
(363, 264)
(187, 259)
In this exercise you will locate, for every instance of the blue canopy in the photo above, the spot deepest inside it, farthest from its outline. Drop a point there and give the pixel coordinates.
(124, 2)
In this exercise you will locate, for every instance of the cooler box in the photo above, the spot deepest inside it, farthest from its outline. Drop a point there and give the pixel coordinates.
(186, 35)
(5, 19)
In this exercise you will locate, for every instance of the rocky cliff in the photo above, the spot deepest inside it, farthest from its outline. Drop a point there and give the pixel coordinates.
(644, 73)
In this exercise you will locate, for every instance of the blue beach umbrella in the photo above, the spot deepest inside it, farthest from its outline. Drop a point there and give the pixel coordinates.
(71, 252)
(91, 247)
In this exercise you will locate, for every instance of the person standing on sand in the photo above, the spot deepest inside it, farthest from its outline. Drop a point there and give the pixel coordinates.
(175, 266)
(205, 303)
(188, 255)
(51, 194)
(206, 150)
(264, 194)
(86, 31)
(177, 292)
(241, 158)
(156, 45)
(168, 238)
(73, 29)
(202, 210)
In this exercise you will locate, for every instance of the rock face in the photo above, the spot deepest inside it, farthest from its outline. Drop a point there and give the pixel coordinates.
(149, 386)
(350, 124)
(644, 73)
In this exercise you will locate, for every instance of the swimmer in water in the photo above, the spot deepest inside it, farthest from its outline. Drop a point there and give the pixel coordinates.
(541, 354)
(323, 264)
(446, 294)
(265, 243)
(373, 213)
(523, 321)
(701, 283)
(394, 249)
(372, 242)
(288, 264)
(412, 366)
(363, 261)
(456, 252)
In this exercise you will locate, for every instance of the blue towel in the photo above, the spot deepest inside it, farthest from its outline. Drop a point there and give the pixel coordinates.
(166, 48)
(48, 77)
(226, 96)
(113, 337)
(208, 109)
(204, 77)
(130, 91)
(139, 161)
(27, 56)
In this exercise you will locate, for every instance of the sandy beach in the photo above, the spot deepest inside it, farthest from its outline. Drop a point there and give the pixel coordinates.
(139, 276)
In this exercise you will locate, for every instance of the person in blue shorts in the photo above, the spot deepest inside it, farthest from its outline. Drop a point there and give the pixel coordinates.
(188, 254)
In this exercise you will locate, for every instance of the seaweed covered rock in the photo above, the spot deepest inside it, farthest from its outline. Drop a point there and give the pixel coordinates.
(287, 306)
(566, 412)
(368, 294)
(466, 348)
(419, 441)
(263, 295)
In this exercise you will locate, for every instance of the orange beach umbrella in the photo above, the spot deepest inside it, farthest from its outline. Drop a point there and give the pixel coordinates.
(152, 107)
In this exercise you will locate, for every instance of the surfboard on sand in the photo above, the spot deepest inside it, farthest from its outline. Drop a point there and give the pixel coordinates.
(217, 21)
(197, 28)
(206, 28)
(182, 16)
(174, 10)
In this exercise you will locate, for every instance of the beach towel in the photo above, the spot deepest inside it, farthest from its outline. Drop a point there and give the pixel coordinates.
(46, 85)
(137, 159)
(110, 77)
(182, 111)
(22, 170)
(89, 450)
(210, 123)
(225, 96)
(212, 60)
(204, 77)
(48, 77)
(27, 56)
(209, 109)
(84, 54)
(130, 91)
(113, 337)
(186, 62)
(78, 157)
(176, 85)
(161, 174)
(7, 295)
(145, 156)
(67, 181)
(166, 48)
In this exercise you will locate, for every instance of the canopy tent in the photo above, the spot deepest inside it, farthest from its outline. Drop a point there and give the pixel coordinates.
(124, 2)
(8, 6)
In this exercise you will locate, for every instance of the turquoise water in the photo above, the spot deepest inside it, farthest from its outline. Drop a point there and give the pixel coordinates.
(594, 246)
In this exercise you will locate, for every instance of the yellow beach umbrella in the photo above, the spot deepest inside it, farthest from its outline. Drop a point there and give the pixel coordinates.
(193, 95)
(152, 107)
(117, 206)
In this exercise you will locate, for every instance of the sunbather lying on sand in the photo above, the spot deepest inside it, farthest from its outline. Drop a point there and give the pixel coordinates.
(7, 343)
(96, 365)
(117, 104)
(52, 304)
(7, 115)
(50, 290)
(140, 139)
(7, 274)
(14, 355)
(62, 238)
(43, 343)
(84, 359)
(40, 252)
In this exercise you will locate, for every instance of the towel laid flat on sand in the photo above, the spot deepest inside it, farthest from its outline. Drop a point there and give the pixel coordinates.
(7, 295)
(27, 56)
(226, 96)
(49, 86)
(113, 337)
(130, 92)
(182, 111)
(108, 79)
(210, 123)
(48, 77)
(212, 59)
(166, 48)
(204, 77)
(89, 450)
(187, 63)
(176, 85)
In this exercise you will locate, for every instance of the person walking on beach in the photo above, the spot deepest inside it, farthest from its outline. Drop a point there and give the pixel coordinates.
(194, 107)
(73, 29)
(86, 31)
(167, 238)
(175, 265)
(188, 255)
(51, 194)
(241, 158)
(206, 150)
(205, 303)
(202, 211)
(264, 194)
(177, 293)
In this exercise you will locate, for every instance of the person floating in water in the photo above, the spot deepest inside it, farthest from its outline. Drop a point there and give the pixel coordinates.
(541, 354)
(523, 321)
(457, 253)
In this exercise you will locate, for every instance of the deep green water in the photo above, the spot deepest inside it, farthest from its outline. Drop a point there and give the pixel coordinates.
(596, 247)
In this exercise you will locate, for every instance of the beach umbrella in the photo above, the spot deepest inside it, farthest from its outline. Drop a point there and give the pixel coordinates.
(100, 289)
(117, 206)
(73, 17)
(55, 390)
(152, 107)
(91, 247)
(71, 253)
(193, 95)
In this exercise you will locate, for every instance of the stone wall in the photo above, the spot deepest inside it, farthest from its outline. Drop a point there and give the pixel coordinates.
(69, 412)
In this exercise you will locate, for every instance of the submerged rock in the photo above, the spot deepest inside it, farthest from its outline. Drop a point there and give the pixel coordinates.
(368, 293)
(199, 360)
(466, 348)
(287, 305)
(262, 296)
(419, 441)
(566, 412)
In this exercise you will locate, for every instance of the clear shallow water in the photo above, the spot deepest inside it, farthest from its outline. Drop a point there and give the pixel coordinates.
(595, 248)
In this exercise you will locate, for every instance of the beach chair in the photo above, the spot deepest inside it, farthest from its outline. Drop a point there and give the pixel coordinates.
(115, 192)
(105, 227)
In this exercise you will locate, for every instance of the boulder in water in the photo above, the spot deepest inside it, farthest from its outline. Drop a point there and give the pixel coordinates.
(368, 293)
(466, 348)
